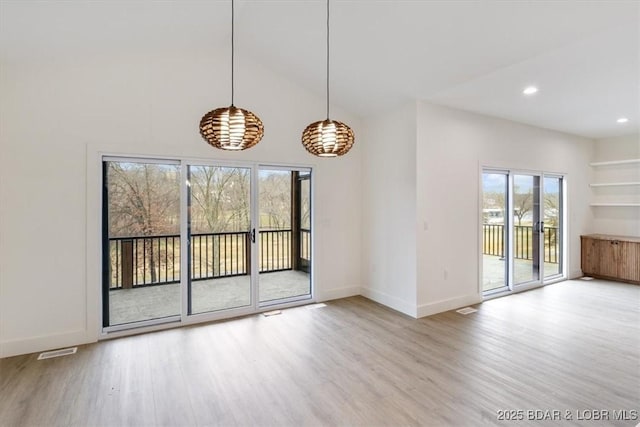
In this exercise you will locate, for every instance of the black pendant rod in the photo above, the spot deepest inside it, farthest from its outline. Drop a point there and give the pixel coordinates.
(232, 50)
(327, 59)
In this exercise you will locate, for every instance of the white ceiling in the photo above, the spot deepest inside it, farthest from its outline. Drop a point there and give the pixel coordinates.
(473, 55)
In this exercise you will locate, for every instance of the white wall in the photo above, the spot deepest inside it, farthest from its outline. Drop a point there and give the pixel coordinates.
(623, 221)
(55, 120)
(452, 148)
(389, 206)
(421, 184)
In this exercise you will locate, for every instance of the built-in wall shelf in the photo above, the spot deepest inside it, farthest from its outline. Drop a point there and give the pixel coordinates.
(616, 204)
(615, 184)
(615, 162)
(630, 175)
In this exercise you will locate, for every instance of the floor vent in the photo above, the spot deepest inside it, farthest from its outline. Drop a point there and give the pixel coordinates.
(466, 310)
(314, 306)
(58, 353)
(272, 313)
(586, 278)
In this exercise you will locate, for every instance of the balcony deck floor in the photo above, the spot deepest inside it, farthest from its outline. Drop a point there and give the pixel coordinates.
(493, 271)
(153, 302)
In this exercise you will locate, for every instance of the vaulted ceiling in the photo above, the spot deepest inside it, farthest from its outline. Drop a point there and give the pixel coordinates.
(475, 55)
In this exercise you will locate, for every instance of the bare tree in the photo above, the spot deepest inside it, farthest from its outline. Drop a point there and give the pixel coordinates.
(305, 204)
(143, 201)
(522, 204)
(220, 199)
(551, 208)
(275, 200)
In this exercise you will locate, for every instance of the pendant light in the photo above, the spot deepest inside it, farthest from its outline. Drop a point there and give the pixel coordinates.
(231, 128)
(328, 138)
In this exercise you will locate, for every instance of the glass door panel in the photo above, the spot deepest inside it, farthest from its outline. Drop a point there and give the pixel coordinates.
(526, 229)
(284, 235)
(219, 222)
(141, 241)
(552, 226)
(494, 221)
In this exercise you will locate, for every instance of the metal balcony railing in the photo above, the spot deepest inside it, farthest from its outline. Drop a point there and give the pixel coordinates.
(155, 260)
(493, 242)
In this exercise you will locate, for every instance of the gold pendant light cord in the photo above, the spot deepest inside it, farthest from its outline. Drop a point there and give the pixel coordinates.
(232, 49)
(327, 59)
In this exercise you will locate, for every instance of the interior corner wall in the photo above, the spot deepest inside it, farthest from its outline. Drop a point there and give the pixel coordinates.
(617, 220)
(57, 117)
(452, 148)
(388, 206)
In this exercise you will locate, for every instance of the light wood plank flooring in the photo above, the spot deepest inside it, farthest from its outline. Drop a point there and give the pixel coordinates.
(573, 346)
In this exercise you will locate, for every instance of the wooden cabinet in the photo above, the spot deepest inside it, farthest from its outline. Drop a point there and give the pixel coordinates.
(611, 257)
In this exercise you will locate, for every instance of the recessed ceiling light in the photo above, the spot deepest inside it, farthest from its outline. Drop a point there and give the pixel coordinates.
(530, 90)
(622, 120)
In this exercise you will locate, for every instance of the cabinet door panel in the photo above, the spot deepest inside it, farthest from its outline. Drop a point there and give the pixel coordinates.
(629, 260)
(608, 263)
(590, 256)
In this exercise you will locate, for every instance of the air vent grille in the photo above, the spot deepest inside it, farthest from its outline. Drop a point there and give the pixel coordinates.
(58, 353)
(314, 306)
(272, 313)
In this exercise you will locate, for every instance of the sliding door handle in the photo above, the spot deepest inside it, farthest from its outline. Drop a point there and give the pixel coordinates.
(253, 235)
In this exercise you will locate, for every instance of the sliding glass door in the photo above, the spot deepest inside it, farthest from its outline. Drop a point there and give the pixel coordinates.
(185, 239)
(284, 235)
(219, 236)
(522, 228)
(141, 241)
(495, 267)
(526, 229)
(553, 226)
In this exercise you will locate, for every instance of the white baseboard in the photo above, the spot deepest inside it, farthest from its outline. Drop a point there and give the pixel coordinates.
(390, 301)
(447, 304)
(337, 293)
(44, 343)
(51, 342)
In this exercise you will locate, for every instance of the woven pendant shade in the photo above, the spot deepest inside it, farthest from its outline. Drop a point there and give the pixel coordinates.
(328, 138)
(231, 128)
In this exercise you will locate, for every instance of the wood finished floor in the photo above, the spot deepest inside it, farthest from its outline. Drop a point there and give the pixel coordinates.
(570, 346)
